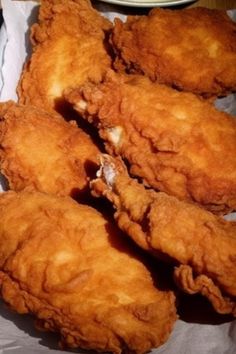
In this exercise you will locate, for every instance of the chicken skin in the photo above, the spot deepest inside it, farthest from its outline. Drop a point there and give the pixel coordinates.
(68, 49)
(174, 141)
(41, 151)
(74, 270)
(191, 49)
(201, 245)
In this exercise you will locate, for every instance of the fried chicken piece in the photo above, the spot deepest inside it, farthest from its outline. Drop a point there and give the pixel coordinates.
(41, 151)
(201, 244)
(175, 141)
(74, 270)
(68, 49)
(191, 49)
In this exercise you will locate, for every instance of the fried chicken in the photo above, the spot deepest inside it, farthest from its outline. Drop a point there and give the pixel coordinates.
(200, 244)
(41, 151)
(175, 141)
(191, 49)
(68, 49)
(74, 270)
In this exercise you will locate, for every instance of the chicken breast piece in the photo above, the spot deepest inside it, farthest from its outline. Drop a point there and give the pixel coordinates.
(190, 49)
(41, 151)
(74, 270)
(68, 48)
(174, 141)
(201, 245)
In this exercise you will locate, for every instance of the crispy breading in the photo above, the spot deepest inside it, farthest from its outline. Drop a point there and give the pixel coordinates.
(68, 49)
(75, 271)
(200, 244)
(41, 151)
(192, 49)
(175, 141)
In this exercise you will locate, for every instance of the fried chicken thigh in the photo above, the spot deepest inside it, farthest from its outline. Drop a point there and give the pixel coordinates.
(41, 151)
(68, 49)
(74, 270)
(191, 49)
(200, 244)
(175, 141)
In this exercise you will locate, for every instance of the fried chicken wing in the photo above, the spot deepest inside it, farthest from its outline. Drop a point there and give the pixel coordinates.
(200, 244)
(191, 49)
(68, 49)
(42, 151)
(175, 141)
(74, 270)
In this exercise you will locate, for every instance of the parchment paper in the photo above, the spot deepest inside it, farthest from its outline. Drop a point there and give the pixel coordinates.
(199, 330)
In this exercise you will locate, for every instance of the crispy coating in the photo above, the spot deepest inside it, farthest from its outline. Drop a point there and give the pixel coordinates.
(201, 244)
(175, 141)
(41, 151)
(68, 49)
(62, 262)
(191, 49)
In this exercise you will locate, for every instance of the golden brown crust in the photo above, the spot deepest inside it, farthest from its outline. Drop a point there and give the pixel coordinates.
(61, 261)
(68, 49)
(191, 49)
(204, 285)
(41, 151)
(176, 231)
(175, 141)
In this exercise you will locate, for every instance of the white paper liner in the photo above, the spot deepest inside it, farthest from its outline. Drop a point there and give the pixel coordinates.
(17, 333)
(3, 41)
(18, 16)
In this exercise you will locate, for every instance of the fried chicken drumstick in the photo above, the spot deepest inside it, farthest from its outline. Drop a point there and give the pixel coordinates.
(74, 270)
(41, 151)
(68, 49)
(201, 244)
(190, 49)
(174, 141)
